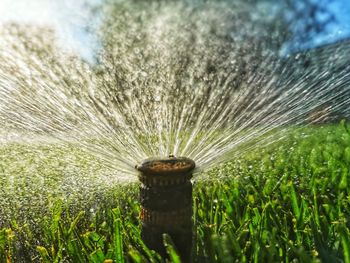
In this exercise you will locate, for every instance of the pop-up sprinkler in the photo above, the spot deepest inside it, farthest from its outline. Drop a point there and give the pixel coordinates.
(166, 203)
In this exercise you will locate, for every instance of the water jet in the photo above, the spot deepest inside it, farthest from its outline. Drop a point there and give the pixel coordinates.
(166, 203)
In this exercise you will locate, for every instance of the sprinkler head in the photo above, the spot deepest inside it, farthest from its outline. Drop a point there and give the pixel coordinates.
(166, 171)
(166, 203)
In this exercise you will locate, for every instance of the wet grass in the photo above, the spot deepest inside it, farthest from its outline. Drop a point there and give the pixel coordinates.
(285, 203)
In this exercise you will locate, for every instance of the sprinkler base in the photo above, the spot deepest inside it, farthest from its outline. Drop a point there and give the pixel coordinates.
(166, 204)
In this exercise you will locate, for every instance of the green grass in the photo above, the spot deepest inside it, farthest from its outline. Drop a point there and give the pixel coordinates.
(289, 202)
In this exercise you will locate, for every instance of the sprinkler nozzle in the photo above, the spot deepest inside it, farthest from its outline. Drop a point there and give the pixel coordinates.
(168, 171)
(166, 203)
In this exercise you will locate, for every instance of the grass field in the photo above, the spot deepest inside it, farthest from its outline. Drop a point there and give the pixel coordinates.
(289, 202)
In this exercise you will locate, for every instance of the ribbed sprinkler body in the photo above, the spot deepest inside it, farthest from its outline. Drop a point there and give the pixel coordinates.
(166, 203)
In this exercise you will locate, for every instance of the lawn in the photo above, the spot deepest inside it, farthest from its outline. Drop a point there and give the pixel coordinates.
(288, 202)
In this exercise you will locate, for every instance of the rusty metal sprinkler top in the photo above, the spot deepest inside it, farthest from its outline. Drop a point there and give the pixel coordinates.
(166, 171)
(167, 166)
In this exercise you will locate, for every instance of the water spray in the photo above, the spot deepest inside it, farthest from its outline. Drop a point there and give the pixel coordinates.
(166, 203)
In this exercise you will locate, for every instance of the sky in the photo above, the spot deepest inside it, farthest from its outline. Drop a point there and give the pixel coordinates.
(338, 30)
(69, 17)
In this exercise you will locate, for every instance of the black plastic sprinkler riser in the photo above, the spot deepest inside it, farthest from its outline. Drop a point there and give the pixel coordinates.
(166, 203)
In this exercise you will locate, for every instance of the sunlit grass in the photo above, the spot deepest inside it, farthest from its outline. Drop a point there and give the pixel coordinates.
(289, 201)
